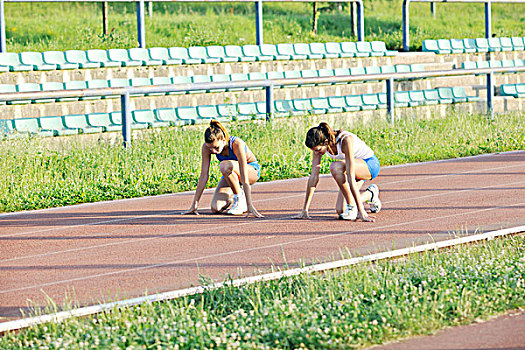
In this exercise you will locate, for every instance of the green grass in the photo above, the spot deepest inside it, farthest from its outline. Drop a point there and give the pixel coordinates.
(40, 26)
(344, 309)
(41, 173)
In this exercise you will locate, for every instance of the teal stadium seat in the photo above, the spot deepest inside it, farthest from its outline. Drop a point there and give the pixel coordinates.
(335, 49)
(418, 97)
(254, 51)
(402, 68)
(36, 60)
(460, 95)
(102, 120)
(322, 104)
(199, 53)
(320, 49)
(446, 96)
(380, 46)
(368, 70)
(482, 45)
(118, 82)
(56, 126)
(349, 47)
(387, 69)
(29, 126)
(26, 87)
(50, 86)
(139, 82)
(518, 43)
(303, 49)
(341, 72)
(142, 55)
(309, 73)
(227, 111)
(444, 46)
(469, 45)
(79, 121)
(457, 45)
(79, 58)
(169, 115)
(271, 50)
(73, 85)
(121, 55)
(220, 78)
(340, 103)
(181, 53)
(162, 54)
(305, 105)
(188, 113)
(236, 77)
(6, 128)
(247, 111)
(58, 59)
(288, 50)
(6, 88)
(209, 112)
(147, 117)
(430, 45)
(371, 100)
(219, 52)
(236, 51)
(364, 47)
(201, 78)
(101, 57)
(281, 108)
(432, 95)
(354, 102)
(402, 99)
(10, 61)
(494, 45)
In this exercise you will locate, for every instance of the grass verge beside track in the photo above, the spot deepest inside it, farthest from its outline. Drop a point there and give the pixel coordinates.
(42, 173)
(348, 308)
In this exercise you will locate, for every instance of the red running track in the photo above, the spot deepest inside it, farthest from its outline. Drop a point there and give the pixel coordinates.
(120, 249)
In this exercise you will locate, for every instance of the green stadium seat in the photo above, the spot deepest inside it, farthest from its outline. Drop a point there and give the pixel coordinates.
(29, 126)
(275, 75)
(271, 50)
(220, 78)
(116, 118)
(6, 128)
(507, 63)
(335, 49)
(340, 102)
(457, 45)
(380, 46)
(482, 44)
(387, 69)
(255, 52)
(292, 74)
(73, 85)
(432, 95)
(181, 53)
(495, 64)
(364, 47)
(354, 102)
(188, 113)
(101, 57)
(147, 116)
(494, 44)
(417, 98)
(430, 45)
(519, 63)
(6, 88)
(370, 101)
(283, 108)
(322, 104)
(248, 111)
(201, 78)
(460, 95)
(50, 86)
(162, 54)
(236, 51)
(320, 49)
(444, 46)
(518, 43)
(209, 112)
(79, 57)
(161, 81)
(219, 52)
(118, 82)
(326, 73)
(402, 68)
(469, 65)
(446, 96)
(227, 110)
(302, 49)
(483, 64)
(342, 72)
(199, 53)
(367, 70)
(304, 105)
(58, 59)
(236, 77)
(121, 55)
(26, 87)
(308, 73)
(506, 44)
(103, 121)
(139, 82)
(142, 55)
(79, 121)
(56, 126)
(169, 115)
(402, 99)
(36, 60)
(287, 50)
(469, 45)
(508, 90)
(417, 67)
(10, 61)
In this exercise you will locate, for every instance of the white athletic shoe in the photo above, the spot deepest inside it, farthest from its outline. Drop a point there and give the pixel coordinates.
(239, 205)
(375, 203)
(350, 213)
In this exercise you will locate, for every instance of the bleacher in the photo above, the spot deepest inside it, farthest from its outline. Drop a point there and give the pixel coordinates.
(76, 69)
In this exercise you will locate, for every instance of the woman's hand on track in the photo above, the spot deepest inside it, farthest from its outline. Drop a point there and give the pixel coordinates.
(304, 215)
(255, 213)
(365, 217)
(192, 211)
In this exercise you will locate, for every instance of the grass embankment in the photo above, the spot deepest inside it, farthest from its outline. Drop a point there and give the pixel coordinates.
(348, 308)
(40, 26)
(42, 173)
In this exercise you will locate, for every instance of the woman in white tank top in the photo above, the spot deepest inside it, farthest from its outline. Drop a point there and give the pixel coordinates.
(355, 163)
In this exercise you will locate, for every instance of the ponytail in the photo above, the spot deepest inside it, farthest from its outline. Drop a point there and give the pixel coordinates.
(320, 135)
(216, 131)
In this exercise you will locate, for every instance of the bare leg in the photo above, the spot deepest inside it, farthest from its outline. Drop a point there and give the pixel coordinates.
(339, 204)
(338, 170)
(222, 198)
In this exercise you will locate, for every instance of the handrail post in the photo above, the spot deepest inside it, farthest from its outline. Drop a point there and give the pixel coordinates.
(360, 21)
(433, 9)
(126, 119)
(406, 25)
(269, 102)
(488, 20)
(141, 24)
(390, 99)
(490, 95)
(259, 22)
(3, 46)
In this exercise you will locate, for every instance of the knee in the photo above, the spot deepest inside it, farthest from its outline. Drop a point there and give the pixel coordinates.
(226, 167)
(337, 169)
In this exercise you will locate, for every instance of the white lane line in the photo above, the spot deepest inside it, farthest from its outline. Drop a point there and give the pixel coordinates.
(112, 221)
(233, 252)
(207, 229)
(94, 309)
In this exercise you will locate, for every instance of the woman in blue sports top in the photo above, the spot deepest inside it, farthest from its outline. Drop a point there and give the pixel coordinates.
(239, 170)
(355, 163)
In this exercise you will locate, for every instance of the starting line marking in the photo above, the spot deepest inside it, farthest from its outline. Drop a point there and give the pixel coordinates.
(85, 311)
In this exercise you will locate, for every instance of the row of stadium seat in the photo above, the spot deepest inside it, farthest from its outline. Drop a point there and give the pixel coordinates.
(444, 46)
(493, 64)
(98, 83)
(74, 59)
(141, 119)
(515, 90)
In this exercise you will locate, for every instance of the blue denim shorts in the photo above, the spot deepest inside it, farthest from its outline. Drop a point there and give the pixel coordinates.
(373, 166)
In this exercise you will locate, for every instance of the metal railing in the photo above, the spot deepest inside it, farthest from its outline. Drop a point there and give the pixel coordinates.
(141, 27)
(488, 15)
(126, 93)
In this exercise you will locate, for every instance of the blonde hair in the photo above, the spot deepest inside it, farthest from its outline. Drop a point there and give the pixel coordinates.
(319, 135)
(216, 131)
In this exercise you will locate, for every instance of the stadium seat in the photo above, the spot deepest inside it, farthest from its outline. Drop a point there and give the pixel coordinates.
(506, 44)
(162, 54)
(469, 45)
(354, 102)
(342, 71)
(181, 53)
(402, 99)
(117, 82)
(430, 45)
(432, 95)
(333, 48)
(121, 56)
(457, 45)
(102, 120)
(6, 88)
(380, 46)
(444, 46)
(56, 126)
(494, 44)
(322, 104)
(29, 126)
(254, 51)
(446, 96)
(236, 51)
(271, 51)
(35, 60)
(79, 121)
(142, 55)
(58, 59)
(387, 69)
(367, 70)
(101, 57)
(320, 49)
(235, 77)
(73, 85)
(304, 105)
(482, 45)
(227, 110)
(6, 128)
(283, 108)
(26, 87)
(169, 115)
(219, 52)
(518, 43)
(199, 53)
(303, 50)
(460, 95)
(147, 117)
(340, 102)
(79, 57)
(288, 50)
(10, 61)
(50, 86)
(365, 48)
(247, 111)
(209, 112)
(188, 113)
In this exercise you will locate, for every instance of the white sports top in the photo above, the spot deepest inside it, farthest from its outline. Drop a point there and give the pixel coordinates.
(361, 149)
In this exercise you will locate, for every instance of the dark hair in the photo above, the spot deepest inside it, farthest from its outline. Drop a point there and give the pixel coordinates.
(216, 132)
(319, 135)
